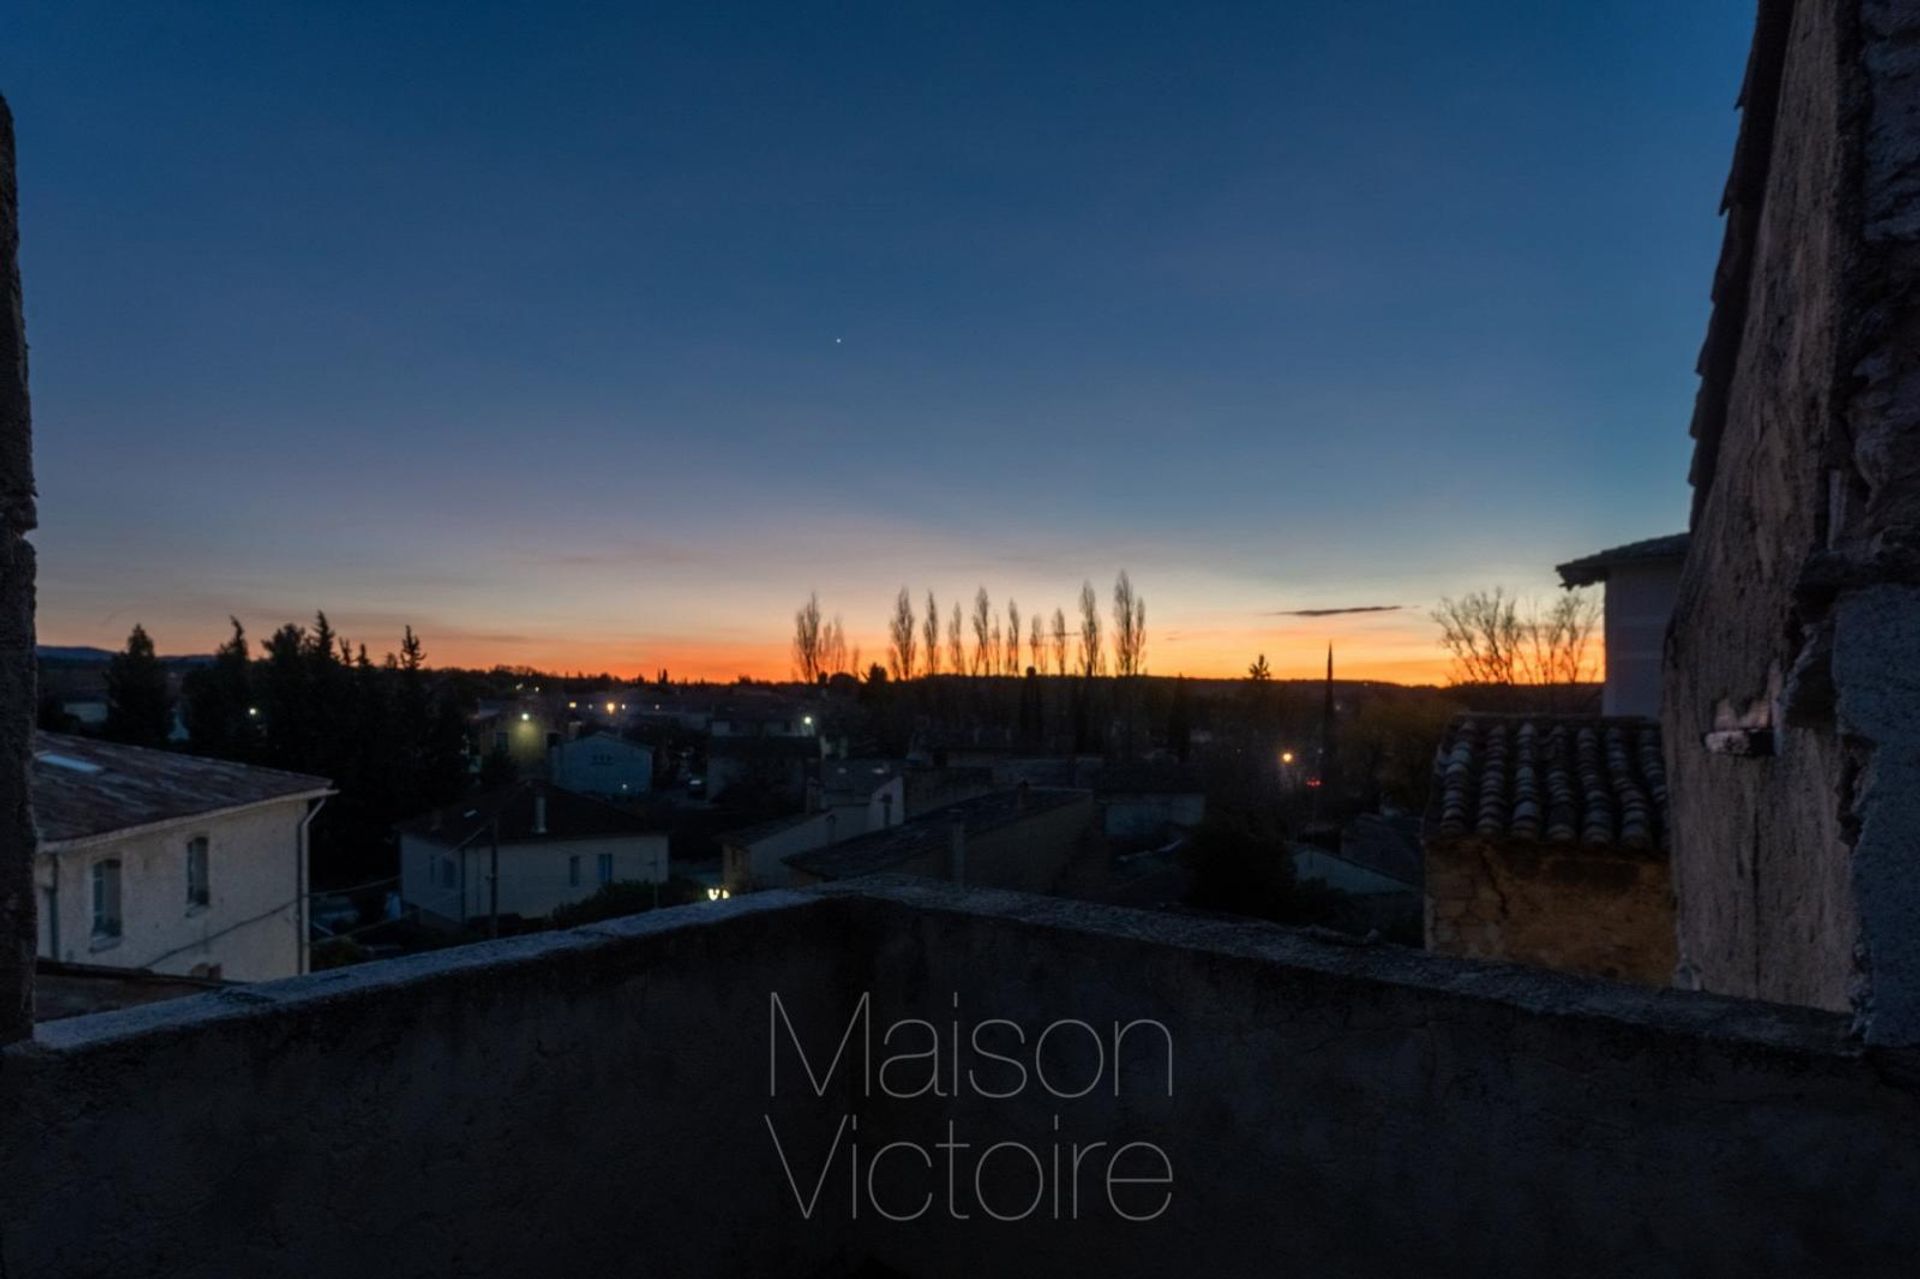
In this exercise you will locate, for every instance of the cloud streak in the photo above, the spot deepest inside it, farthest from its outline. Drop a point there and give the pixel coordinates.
(1336, 612)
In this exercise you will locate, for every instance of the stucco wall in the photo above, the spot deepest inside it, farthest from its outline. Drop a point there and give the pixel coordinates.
(596, 1101)
(250, 926)
(1340, 1109)
(567, 1104)
(534, 877)
(1639, 604)
(603, 765)
(1604, 914)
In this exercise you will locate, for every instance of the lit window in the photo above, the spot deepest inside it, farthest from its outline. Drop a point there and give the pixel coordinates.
(573, 871)
(198, 893)
(606, 868)
(106, 899)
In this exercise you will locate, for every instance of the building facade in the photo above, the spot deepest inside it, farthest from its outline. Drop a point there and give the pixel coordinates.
(1640, 580)
(1545, 843)
(169, 863)
(602, 764)
(522, 851)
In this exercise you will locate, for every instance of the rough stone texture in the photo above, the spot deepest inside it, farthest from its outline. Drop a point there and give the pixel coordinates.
(1798, 873)
(17, 699)
(594, 1102)
(1602, 912)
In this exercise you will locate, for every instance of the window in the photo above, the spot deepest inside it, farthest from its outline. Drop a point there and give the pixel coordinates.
(106, 900)
(606, 868)
(198, 893)
(573, 871)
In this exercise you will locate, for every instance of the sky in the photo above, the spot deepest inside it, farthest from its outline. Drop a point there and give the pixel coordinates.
(597, 336)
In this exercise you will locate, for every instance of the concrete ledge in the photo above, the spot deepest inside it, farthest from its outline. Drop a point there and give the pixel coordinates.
(589, 1101)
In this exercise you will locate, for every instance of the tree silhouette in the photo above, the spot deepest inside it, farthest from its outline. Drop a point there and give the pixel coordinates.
(983, 645)
(956, 647)
(221, 714)
(930, 635)
(1129, 627)
(1093, 659)
(139, 705)
(903, 636)
(806, 640)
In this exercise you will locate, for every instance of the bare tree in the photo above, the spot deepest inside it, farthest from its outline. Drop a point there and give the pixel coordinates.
(1060, 641)
(1560, 640)
(983, 645)
(994, 651)
(903, 635)
(1037, 644)
(1093, 657)
(1493, 642)
(930, 635)
(833, 647)
(1129, 627)
(1013, 638)
(956, 646)
(807, 640)
(1483, 633)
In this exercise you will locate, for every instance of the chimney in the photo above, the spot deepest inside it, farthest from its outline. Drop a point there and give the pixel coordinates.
(540, 811)
(957, 852)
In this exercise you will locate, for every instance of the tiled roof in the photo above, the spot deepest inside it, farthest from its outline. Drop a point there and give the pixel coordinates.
(1589, 569)
(930, 832)
(1590, 780)
(83, 787)
(569, 816)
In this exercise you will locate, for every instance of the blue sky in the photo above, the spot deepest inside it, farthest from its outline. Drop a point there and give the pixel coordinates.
(599, 334)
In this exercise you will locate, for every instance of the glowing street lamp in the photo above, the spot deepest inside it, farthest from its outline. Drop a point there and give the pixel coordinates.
(1286, 757)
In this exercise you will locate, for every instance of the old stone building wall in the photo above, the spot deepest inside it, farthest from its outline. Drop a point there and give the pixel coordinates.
(17, 698)
(1792, 722)
(1604, 913)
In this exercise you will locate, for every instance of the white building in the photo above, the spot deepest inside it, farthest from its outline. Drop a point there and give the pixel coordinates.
(539, 846)
(1642, 580)
(171, 863)
(602, 764)
(848, 799)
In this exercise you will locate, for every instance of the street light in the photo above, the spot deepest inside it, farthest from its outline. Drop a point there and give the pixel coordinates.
(1286, 757)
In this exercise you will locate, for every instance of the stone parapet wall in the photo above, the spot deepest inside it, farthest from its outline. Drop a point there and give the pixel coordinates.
(598, 1102)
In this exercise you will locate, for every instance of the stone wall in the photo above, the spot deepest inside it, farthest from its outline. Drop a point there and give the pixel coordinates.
(1604, 913)
(598, 1102)
(17, 699)
(1798, 871)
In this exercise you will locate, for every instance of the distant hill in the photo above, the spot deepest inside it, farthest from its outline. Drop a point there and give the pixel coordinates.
(71, 653)
(85, 655)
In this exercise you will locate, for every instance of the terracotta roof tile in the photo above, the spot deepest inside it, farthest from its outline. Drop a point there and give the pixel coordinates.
(1592, 780)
